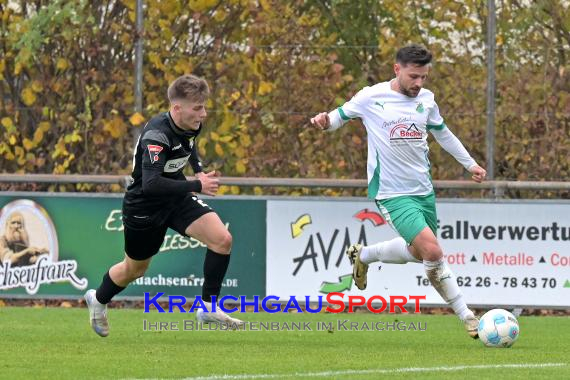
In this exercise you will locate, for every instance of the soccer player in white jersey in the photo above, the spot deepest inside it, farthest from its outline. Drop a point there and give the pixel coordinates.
(398, 115)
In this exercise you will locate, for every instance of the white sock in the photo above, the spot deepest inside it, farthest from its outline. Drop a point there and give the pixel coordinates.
(443, 280)
(393, 251)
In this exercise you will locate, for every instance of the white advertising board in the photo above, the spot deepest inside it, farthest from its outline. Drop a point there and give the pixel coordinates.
(503, 254)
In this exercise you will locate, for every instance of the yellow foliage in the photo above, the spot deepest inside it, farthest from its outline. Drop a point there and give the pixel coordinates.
(257, 190)
(265, 88)
(19, 152)
(37, 86)
(38, 136)
(235, 95)
(28, 144)
(202, 145)
(265, 5)
(155, 59)
(235, 190)
(115, 127)
(59, 149)
(28, 96)
(18, 68)
(201, 5)
(245, 140)
(220, 15)
(76, 137)
(44, 126)
(2, 67)
(219, 150)
(136, 119)
(499, 40)
(130, 4)
(7, 122)
(98, 139)
(228, 122)
(239, 152)
(12, 140)
(240, 167)
(62, 64)
(9, 155)
(183, 66)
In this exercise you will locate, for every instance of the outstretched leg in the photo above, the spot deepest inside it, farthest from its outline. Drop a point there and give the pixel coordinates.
(442, 278)
(114, 282)
(395, 251)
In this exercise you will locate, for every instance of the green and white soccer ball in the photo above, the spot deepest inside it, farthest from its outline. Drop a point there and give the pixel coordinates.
(498, 328)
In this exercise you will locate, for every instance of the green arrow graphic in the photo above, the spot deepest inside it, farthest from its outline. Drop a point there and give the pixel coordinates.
(345, 283)
(567, 284)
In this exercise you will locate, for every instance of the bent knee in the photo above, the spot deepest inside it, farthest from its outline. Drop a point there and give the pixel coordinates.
(223, 245)
(135, 271)
(432, 253)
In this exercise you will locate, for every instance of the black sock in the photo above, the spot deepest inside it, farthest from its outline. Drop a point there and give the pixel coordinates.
(215, 268)
(107, 290)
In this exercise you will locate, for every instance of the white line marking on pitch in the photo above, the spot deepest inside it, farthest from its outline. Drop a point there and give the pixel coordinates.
(374, 371)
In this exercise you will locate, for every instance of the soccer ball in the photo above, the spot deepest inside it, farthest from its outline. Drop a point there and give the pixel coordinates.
(498, 328)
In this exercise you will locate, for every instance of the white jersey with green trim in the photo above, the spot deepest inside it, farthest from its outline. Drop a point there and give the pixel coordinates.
(397, 127)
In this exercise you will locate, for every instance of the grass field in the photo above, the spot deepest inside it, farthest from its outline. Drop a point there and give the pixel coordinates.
(57, 343)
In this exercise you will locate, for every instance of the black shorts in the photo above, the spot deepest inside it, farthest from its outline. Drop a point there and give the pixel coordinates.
(144, 234)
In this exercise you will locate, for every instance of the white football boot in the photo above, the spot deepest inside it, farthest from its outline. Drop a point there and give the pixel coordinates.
(218, 317)
(359, 269)
(471, 324)
(97, 314)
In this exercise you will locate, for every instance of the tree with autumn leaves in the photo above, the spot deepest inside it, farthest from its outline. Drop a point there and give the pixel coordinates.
(67, 81)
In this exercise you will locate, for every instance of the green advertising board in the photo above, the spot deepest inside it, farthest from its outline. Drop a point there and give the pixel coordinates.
(67, 242)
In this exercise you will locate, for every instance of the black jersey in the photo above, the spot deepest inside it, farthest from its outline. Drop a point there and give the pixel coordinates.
(158, 182)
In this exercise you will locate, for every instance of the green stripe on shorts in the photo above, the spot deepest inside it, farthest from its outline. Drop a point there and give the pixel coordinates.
(409, 214)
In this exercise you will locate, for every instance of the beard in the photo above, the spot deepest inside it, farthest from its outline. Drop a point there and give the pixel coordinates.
(18, 237)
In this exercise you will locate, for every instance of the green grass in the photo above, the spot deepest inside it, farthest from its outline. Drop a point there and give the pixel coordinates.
(57, 343)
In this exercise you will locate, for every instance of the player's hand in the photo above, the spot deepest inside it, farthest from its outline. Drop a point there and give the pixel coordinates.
(478, 173)
(210, 183)
(321, 121)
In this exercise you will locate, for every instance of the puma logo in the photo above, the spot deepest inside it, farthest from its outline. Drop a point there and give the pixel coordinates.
(177, 147)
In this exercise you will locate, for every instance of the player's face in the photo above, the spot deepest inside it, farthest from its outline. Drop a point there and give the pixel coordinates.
(189, 114)
(411, 78)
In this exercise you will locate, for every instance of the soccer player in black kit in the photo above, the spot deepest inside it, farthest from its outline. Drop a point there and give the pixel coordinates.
(160, 197)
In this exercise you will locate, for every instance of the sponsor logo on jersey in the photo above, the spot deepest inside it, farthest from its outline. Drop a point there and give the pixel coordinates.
(420, 108)
(153, 151)
(172, 166)
(403, 132)
(395, 122)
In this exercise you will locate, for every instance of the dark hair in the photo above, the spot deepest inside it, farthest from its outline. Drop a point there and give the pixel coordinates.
(416, 54)
(189, 87)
